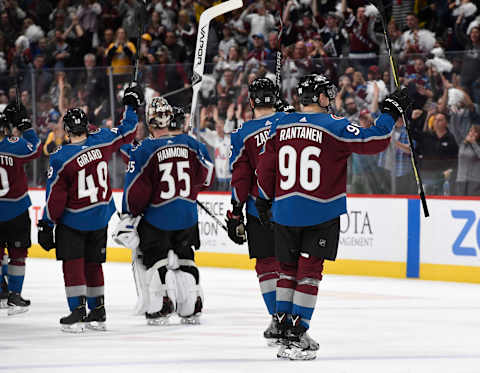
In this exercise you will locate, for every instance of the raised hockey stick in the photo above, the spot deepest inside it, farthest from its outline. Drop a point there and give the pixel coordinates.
(141, 20)
(201, 47)
(393, 64)
(212, 215)
(278, 62)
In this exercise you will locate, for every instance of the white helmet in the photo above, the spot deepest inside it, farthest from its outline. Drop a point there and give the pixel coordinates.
(159, 113)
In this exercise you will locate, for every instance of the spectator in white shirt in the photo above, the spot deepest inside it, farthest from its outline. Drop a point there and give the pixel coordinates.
(260, 22)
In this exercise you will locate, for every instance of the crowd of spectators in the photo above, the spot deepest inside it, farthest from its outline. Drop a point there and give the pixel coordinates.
(80, 53)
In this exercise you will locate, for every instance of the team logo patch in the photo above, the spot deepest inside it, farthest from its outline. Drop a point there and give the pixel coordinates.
(56, 150)
(114, 130)
(336, 117)
(13, 139)
(50, 172)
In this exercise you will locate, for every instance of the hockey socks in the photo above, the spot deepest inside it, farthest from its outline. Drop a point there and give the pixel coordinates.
(267, 274)
(75, 283)
(16, 269)
(286, 284)
(94, 279)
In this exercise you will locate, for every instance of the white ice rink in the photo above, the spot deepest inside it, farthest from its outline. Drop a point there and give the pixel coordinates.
(362, 324)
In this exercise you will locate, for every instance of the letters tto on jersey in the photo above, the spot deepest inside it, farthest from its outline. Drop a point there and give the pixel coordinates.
(304, 165)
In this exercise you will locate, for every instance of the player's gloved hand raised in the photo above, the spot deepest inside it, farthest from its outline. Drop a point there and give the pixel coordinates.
(236, 227)
(46, 237)
(264, 213)
(18, 116)
(396, 104)
(133, 96)
(23, 124)
(281, 105)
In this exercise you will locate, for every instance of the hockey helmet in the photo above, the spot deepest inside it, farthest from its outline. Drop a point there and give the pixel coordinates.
(309, 88)
(75, 122)
(178, 121)
(159, 113)
(263, 92)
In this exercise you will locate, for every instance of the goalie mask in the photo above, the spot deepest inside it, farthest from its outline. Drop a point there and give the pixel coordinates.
(159, 113)
(310, 86)
(75, 122)
(263, 92)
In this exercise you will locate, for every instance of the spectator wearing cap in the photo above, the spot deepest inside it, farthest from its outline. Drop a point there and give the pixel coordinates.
(259, 52)
(334, 38)
(120, 53)
(438, 154)
(260, 22)
(363, 41)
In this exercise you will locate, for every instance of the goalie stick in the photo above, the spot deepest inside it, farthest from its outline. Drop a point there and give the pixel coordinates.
(393, 64)
(141, 20)
(212, 215)
(201, 47)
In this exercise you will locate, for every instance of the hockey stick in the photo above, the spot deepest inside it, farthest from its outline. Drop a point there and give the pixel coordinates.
(278, 62)
(393, 64)
(141, 20)
(201, 47)
(175, 91)
(212, 215)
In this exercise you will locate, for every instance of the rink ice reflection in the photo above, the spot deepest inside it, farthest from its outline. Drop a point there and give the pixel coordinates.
(363, 324)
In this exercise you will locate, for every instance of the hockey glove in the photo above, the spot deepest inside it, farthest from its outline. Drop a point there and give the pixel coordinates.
(236, 228)
(46, 237)
(133, 96)
(396, 104)
(125, 233)
(264, 213)
(24, 124)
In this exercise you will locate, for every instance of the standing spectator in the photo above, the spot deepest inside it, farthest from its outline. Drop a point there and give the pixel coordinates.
(103, 46)
(416, 40)
(471, 60)
(260, 22)
(240, 34)
(363, 41)
(438, 154)
(120, 53)
(43, 77)
(220, 142)
(468, 175)
(61, 51)
(175, 49)
(186, 31)
(259, 52)
(93, 81)
(88, 13)
(226, 43)
(334, 38)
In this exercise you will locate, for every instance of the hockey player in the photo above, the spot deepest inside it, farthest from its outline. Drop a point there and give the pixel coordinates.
(15, 201)
(163, 179)
(247, 143)
(80, 203)
(126, 234)
(303, 173)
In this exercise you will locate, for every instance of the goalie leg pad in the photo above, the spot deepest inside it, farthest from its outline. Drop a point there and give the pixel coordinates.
(187, 293)
(141, 283)
(156, 285)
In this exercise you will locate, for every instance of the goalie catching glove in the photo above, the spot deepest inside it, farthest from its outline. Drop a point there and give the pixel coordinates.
(46, 236)
(397, 104)
(235, 224)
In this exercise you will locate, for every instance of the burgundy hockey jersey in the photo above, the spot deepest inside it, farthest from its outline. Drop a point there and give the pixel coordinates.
(304, 165)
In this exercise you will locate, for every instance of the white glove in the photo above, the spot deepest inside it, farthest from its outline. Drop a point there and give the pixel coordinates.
(125, 233)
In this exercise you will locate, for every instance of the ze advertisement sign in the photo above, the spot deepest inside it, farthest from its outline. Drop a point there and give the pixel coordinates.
(452, 234)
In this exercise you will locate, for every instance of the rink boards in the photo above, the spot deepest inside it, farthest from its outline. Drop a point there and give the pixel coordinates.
(380, 236)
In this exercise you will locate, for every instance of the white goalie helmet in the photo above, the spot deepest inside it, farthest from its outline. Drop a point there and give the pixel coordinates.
(159, 113)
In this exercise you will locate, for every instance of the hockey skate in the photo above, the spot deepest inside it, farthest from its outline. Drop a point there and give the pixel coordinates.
(75, 322)
(96, 318)
(161, 317)
(297, 345)
(195, 318)
(3, 293)
(273, 333)
(16, 304)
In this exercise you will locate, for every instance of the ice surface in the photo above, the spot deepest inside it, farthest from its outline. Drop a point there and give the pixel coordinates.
(363, 325)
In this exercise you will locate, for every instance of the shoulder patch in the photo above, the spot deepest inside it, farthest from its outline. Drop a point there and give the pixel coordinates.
(336, 117)
(56, 150)
(303, 120)
(13, 139)
(114, 130)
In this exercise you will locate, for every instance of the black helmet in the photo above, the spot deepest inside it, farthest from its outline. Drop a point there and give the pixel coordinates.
(309, 88)
(5, 126)
(263, 92)
(14, 113)
(178, 121)
(75, 122)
